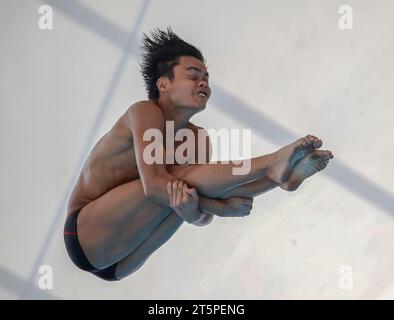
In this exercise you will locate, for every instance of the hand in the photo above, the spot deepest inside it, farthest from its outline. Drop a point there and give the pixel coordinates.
(184, 200)
(236, 207)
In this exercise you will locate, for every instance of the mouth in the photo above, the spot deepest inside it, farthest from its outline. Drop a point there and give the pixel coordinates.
(202, 95)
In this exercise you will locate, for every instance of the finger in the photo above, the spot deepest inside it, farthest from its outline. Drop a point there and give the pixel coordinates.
(180, 187)
(184, 187)
(169, 191)
(188, 190)
(187, 187)
(185, 195)
(192, 192)
(174, 191)
(179, 192)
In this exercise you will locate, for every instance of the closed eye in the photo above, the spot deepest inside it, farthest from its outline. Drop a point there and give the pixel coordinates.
(194, 77)
(197, 71)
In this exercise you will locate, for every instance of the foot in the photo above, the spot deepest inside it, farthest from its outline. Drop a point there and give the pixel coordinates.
(289, 155)
(306, 167)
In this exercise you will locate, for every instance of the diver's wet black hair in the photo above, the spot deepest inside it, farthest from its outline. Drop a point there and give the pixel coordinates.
(161, 53)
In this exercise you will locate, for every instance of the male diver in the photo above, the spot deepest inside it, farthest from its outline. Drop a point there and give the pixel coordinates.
(122, 208)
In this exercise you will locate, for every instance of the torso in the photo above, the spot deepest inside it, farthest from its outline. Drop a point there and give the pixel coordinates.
(111, 163)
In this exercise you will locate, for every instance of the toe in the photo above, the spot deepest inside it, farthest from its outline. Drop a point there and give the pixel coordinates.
(315, 155)
(325, 153)
(317, 143)
(310, 138)
(322, 166)
(305, 142)
(314, 141)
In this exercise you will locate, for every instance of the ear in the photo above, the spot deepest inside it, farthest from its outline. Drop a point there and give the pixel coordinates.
(162, 84)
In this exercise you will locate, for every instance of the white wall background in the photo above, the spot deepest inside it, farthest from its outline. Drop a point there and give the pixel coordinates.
(282, 68)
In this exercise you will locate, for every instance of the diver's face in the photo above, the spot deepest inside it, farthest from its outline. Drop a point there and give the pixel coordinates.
(190, 86)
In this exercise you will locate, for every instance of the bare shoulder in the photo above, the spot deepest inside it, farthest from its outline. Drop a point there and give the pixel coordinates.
(145, 114)
(144, 107)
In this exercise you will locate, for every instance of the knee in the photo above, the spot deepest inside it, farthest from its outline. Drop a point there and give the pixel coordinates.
(108, 274)
(128, 266)
(109, 279)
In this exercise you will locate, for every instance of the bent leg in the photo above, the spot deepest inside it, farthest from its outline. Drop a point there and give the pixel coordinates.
(191, 174)
(114, 225)
(172, 222)
(138, 257)
(213, 179)
(251, 189)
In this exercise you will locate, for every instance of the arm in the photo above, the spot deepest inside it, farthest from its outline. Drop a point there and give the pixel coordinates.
(144, 116)
(185, 202)
(232, 207)
(211, 206)
(230, 204)
(235, 206)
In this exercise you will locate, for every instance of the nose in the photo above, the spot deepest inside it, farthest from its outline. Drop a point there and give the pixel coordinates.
(203, 83)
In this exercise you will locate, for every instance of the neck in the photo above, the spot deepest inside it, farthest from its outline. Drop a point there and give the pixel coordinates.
(179, 115)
